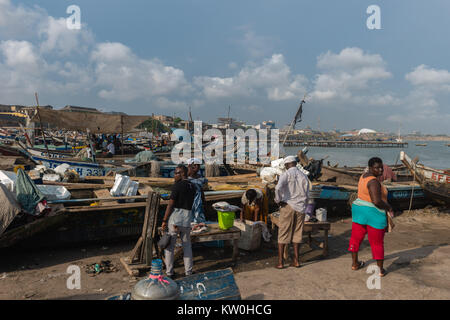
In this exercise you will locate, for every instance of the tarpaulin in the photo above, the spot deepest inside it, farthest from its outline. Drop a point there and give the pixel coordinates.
(28, 195)
(9, 207)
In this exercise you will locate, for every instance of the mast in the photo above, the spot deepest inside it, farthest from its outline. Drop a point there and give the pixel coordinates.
(40, 122)
(297, 118)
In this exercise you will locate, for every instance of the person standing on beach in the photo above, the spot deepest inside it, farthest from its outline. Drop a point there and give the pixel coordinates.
(198, 181)
(369, 215)
(178, 217)
(291, 193)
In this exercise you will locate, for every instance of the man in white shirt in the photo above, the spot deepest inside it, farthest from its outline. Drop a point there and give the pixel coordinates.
(291, 193)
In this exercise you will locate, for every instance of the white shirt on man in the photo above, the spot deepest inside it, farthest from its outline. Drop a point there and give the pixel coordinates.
(293, 188)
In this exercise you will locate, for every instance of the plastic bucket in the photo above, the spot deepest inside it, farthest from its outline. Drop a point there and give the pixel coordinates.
(321, 214)
(226, 219)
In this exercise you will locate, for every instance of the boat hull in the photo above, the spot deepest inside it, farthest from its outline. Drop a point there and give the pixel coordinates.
(82, 168)
(436, 183)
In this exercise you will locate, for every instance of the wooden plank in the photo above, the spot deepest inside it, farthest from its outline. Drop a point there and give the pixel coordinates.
(80, 186)
(149, 180)
(144, 227)
(104, 193)
(144, 190)
(215, 237)
(131, 272)
(151, 227)
(119, 206)
(135, 252)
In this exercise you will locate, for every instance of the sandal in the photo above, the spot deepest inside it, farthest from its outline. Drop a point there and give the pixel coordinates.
(359, 266)
(293, 265)
(279, 268)
(383, 272)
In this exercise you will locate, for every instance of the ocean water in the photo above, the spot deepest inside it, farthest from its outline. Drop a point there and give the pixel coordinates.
(436, 154)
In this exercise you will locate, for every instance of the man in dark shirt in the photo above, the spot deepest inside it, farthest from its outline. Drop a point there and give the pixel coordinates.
(179, 217)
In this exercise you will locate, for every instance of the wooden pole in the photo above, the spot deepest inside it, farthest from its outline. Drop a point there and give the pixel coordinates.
(40, 122)
(121, 135)
(90, 144)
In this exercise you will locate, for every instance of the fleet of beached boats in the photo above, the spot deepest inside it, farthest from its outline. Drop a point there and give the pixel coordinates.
(92, 213)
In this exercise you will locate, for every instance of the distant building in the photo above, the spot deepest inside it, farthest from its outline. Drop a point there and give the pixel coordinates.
(366, 131)
(229, 123)
(265, 125)
(80, 109)
(12, 115)
(165, 120)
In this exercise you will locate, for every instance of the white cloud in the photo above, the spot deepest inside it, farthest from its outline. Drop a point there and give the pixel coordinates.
(347, 74)
(58, 39)
(47, 62)
(19, 54)
(126, 77)
(19, 22)
(424, 76)
(422, 104)
(273, 77)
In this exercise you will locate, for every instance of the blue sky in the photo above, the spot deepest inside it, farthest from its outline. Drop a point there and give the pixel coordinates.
(260, 57)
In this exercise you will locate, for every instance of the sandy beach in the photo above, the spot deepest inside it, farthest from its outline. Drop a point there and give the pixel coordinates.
(417, 261)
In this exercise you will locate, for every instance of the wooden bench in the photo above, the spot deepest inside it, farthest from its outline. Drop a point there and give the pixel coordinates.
(309, 228)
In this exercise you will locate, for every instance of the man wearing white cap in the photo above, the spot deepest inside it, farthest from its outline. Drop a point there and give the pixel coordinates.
(291, 193)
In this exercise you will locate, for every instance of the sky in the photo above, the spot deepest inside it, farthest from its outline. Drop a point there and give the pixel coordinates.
(258, 56)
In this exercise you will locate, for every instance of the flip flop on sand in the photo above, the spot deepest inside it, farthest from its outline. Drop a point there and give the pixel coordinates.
(298, 266)
(278, 267)
(383, 273)
(359, 266)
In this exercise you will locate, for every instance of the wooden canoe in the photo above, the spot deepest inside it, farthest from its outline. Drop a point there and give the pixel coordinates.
(435, 182)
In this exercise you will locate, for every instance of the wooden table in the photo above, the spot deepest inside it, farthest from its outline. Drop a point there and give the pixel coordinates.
(214, 233)
(309, 228)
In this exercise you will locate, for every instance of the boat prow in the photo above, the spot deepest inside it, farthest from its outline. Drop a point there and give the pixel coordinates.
(435, 182)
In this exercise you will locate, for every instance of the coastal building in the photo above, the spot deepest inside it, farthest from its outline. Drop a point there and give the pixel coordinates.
(80, 109)
(229, 123)
(265, 125)
(13, 115)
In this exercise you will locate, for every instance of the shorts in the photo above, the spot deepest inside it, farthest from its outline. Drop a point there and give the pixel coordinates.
(290, 225)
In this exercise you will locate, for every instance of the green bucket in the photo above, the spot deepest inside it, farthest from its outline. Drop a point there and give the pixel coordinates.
(226, 219)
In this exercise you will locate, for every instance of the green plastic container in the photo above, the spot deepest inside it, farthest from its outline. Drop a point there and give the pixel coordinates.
(226, 219)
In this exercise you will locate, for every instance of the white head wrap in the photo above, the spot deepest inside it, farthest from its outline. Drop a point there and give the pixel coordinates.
(289, 159)
(194, 161)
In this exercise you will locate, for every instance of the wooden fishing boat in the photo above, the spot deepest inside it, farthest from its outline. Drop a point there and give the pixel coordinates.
(10, 151)
(399, 195)
(351, 175)
(421, 144)
(435, 183)
(92, 214)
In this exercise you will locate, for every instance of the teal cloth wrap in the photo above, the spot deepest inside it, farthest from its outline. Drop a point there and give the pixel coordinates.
(366, 213)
